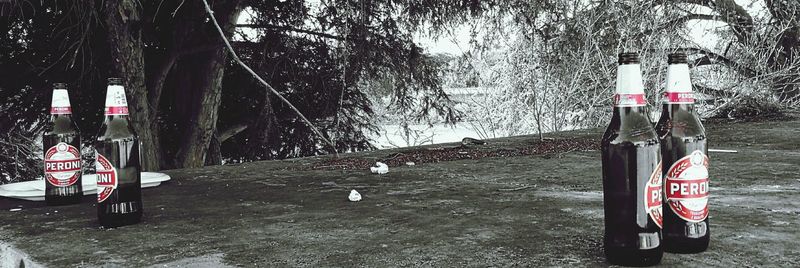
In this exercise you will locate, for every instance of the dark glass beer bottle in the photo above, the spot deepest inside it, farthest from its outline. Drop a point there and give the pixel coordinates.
(119, 196)
(61, 147)
(631, 174)
(684, 152)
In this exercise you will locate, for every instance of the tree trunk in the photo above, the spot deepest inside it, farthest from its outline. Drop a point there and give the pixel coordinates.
(207, 83)
(125, 42)
(214, 155)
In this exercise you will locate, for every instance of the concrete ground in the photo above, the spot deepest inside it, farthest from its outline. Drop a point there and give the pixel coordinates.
(541, 210)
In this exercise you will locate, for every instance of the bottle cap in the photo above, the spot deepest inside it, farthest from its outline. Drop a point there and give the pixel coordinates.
(676, 58)
(115, 81)
(628, 58)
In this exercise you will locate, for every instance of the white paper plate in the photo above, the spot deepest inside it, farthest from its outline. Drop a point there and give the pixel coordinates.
(34, 190)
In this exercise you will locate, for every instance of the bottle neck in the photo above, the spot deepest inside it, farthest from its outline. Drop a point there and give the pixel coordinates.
(678, 80)
(61, 113)
(629, 80)
(629, 92)
(116, 102)
(116, 123)
(60, 105)
(678, 89)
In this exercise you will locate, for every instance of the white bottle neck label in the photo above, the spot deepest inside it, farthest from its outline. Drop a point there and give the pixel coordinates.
(679, 85)
(116, 103)
(60, 103)
(630, 90)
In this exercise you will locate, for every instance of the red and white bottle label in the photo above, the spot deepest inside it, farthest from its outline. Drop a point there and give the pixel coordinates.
(120, 110)
(62, 165)
(629, 100)
(116, 102)
(686, 187)
(106, 178)
(652, 196)
(60, 102)
(60, 110)
(679, 97)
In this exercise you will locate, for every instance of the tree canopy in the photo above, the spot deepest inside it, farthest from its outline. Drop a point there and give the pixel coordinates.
(190, 104)
(549, 61)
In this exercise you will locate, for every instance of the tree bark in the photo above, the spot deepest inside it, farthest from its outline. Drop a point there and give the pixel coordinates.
(207, 78)
(125, 41)
(214, 155)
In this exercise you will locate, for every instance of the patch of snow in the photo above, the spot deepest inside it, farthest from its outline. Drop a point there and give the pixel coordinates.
(354, 196)
(379, 168)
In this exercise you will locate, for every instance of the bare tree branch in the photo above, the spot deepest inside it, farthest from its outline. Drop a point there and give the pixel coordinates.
(714, 58)
(231, 131)
(679, 21)
(257, 77)
(712, 91)
(733, 14)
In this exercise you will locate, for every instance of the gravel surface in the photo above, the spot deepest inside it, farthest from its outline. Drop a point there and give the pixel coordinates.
(439, 154)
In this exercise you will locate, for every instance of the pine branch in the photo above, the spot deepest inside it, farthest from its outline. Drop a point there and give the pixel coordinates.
(291, 29)
(261, 80)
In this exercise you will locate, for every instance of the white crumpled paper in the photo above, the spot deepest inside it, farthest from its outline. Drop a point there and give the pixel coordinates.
(354, 196)
(379, 168)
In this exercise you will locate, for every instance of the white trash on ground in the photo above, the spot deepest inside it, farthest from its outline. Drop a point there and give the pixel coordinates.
(379, 168)
(354, 196)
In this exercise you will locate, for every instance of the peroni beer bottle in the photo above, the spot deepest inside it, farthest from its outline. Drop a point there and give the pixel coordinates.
(631, 174)
(119, 197)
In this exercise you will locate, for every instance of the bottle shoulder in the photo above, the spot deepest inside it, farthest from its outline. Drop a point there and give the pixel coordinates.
(680, 125)
(113, 130)
(641, 136)
(633, 128)
(631, 139)
(61, 125)
(110, 136)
